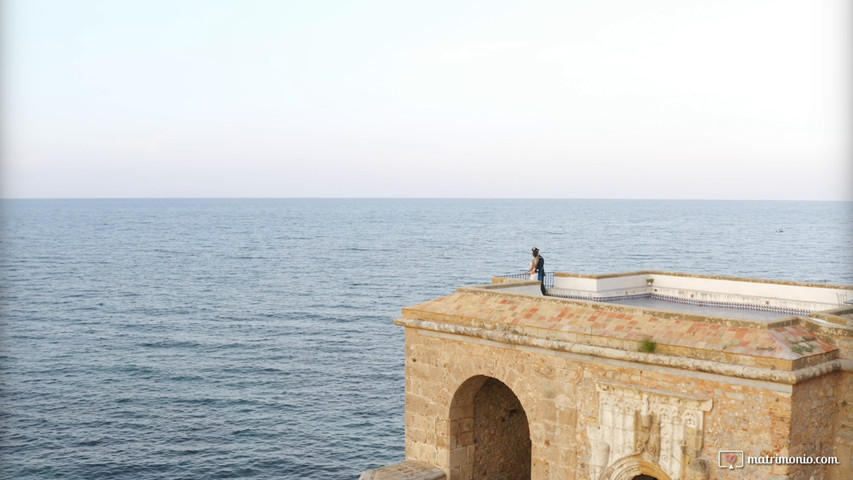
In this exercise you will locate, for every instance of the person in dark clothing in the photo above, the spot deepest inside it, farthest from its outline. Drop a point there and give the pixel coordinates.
(537, 266)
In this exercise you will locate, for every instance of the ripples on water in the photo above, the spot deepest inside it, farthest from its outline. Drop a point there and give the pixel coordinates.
(254, 338)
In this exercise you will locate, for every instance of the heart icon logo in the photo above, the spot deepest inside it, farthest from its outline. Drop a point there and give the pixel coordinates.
(730, 459)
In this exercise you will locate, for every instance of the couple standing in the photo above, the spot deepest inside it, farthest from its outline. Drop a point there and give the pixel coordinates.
(537, 266)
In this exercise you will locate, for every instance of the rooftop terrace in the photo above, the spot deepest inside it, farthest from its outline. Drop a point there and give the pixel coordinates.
(761, 327)
(714, 296)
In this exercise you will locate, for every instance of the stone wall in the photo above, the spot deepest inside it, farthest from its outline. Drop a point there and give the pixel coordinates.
(843, 439)
(813, 425)
(831, 399)
(560, 394)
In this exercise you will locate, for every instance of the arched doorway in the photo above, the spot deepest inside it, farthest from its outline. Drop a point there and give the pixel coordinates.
(635, 468)
(489, 434)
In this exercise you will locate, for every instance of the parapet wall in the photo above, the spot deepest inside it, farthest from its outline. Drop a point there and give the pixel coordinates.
(794, 296)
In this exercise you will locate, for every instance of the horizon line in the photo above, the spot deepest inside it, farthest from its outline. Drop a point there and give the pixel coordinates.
(435, 198)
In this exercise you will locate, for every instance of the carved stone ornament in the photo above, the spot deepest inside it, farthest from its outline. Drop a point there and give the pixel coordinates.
(641, 426)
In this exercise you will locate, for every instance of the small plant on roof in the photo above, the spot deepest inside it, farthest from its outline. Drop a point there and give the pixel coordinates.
(650, 281)
(801, 348)
(648, 345)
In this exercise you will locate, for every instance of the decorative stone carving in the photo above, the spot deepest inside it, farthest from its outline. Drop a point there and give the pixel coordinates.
(599, 460)
(654, 426)
(698, 470)
(647, 431)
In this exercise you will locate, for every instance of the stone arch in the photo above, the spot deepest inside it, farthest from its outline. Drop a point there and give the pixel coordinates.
(489, 432)
(632, 467)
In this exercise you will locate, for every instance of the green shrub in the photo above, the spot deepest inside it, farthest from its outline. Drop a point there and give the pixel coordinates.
(648, 345)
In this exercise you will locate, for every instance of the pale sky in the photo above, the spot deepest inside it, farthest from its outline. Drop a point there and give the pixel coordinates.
(725, 99)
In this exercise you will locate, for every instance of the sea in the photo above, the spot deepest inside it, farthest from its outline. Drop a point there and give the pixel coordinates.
(254, 338)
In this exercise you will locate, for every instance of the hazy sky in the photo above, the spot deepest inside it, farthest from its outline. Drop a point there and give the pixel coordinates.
(736, 99)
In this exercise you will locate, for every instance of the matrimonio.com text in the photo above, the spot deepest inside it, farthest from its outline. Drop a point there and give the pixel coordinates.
(732, 459)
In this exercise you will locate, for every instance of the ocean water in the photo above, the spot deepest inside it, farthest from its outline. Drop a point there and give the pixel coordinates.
(253, 338)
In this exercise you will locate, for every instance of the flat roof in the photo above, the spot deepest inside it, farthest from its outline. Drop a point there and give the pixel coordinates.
(711, 295)
(624, 315)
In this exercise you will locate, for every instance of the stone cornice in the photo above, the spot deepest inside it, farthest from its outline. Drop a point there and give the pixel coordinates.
(789, 377)
(782, 345)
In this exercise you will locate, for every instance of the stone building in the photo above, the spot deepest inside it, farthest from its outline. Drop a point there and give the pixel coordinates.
(642, 375)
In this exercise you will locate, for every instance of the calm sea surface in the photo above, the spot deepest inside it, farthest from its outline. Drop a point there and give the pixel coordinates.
(254, 339)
